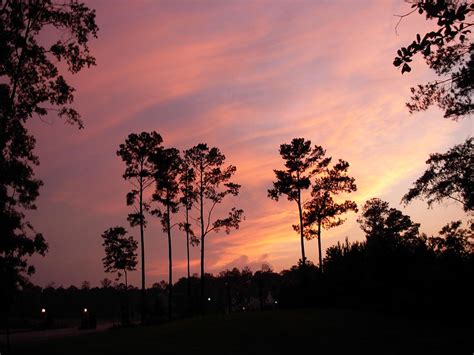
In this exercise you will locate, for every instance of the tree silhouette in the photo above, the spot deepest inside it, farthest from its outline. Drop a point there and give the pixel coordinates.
(393, 249)
(120, 252)
(386, 228)
(189, 196)
(397, 261)
(449, 51)
(136, 152)
(449, 176)
(106, 283)
(167, 166)
(301, 162)
(32, 85)
(85, 285)
(454, 241)
(120, 256)
(322, 210)
(212, 184)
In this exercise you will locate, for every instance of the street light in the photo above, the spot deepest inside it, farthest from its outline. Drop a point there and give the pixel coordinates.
(85, 310)
(43, 310)
(209, 299)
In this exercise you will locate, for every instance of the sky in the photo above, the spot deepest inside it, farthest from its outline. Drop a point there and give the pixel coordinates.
(244, 76)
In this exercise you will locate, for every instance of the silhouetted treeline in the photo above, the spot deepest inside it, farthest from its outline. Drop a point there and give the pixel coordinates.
(395, 269)
(230, 291)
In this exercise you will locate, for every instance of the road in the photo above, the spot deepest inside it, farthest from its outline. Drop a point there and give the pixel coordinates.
(48, 334)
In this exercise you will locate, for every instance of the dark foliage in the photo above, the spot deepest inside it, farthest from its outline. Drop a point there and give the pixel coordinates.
(167, 166)
(189, 196)
(301, 162)
(454, 242)
(449, 51)
(31, 85)
(120, 251)
(322, 210)
(212, 183)
(397, 269)
(449, 176)
(120, 257)
(136, 152)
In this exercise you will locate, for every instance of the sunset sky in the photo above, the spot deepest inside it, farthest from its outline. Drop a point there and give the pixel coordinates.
(244, 76)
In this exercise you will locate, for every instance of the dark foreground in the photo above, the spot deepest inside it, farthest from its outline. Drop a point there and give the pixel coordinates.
(278, 332)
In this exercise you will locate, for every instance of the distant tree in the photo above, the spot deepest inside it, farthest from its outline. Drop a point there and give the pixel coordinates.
(120, 256)
(322, 210)
(136, 152)
(85, 285)
(120, 253)
(346, 270)
(167, 166)
(189, 197)
(342, 257)
(32, 85)
(449, 176)
(392, 253)
(238, 287)
(106, 283)
(51, 285)
(449, 51)
(301, 162)
(392, 238)
(454, 241)
(262, 277)
(380, 222)
(212, 185)
(162, 285)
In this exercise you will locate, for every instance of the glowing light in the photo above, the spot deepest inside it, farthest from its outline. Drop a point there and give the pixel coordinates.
(276, 302)
(43, 310)
(85, 310)
(243, 308)
(209, 299)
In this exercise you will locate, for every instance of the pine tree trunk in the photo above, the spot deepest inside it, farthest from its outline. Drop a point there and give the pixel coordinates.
(7, 333)
(319, 247)
(203, 303)
(187, 254)
(170, 265)
(300, 210)
(201, 195)
(7, 313)
(142, 242)
(127, 305)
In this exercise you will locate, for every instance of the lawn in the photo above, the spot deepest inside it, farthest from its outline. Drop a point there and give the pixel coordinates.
(311, 331)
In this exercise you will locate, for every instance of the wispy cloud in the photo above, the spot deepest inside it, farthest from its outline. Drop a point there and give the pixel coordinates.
(245, 76)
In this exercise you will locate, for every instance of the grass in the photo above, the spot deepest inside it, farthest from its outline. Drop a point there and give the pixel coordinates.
(310, 331)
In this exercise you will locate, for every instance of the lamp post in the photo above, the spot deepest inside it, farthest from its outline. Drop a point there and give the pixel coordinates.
(47, 320)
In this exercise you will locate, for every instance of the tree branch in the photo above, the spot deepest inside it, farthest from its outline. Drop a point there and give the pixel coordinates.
(401, 17)
(148, 182)
(456, 199)
(131, 183)
(209, 216)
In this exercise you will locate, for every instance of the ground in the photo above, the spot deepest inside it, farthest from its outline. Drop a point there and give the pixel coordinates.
(277, 332)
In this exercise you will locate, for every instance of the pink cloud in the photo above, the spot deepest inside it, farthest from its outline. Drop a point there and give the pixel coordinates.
(245, 77)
